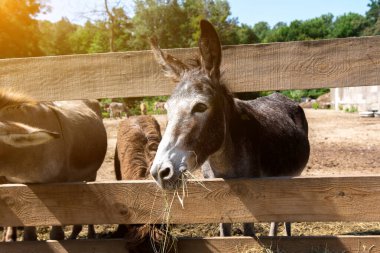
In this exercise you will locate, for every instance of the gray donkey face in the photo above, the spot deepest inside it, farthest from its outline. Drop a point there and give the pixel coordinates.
(196, 120)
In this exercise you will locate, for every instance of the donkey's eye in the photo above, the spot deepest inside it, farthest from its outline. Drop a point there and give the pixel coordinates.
(199, 107)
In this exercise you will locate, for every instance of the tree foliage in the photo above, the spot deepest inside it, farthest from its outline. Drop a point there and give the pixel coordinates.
(373, 13)
(90, 38)
(261, 29)
(174, 22)
(55, 37)
(164, 20)
(118, 27)
(349, 25)
(19, 32)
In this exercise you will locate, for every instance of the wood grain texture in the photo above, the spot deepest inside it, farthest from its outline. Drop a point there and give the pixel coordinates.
(239, 200)
(275, 66)
(297, 244)
(68, 246)
(347, 244)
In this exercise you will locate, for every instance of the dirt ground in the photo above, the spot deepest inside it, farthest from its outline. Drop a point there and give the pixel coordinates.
(342, 144)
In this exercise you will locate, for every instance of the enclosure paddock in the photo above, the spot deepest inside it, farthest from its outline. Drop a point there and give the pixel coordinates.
(277, 66)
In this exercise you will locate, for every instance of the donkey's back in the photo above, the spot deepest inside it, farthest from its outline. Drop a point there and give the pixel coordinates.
(277, 131)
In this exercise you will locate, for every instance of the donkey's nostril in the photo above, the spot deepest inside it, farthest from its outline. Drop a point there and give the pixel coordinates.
(166, 171)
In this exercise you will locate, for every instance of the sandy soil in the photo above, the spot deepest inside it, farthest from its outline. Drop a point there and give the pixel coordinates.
(343, 144)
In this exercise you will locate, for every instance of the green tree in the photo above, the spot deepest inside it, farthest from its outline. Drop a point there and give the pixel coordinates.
(372, 17)
(296, 31)
(19, 33)
(100, 40)
(82, 39)
(176, 24)
(246, 35)
(218, 12)
(118, 25)
(311, 29)
(349, 25)
(122, 30)
(372, 29)
(373, 13)
(195, 11)
(46, 44)
(55, 37)
(261, 29)
(166, 20)
(317, 28)
(279, 33)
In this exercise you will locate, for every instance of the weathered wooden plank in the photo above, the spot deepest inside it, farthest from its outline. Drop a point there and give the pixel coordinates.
(67, 246)
(239, 200)
(297, 244)
(347, 244)
(275, 66)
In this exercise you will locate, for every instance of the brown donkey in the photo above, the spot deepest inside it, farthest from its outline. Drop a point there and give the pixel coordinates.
(46, 142)
(137, 142)
(226, 137)
(138, 138)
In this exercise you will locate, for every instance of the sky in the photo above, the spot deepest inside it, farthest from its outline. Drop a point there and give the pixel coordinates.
(247, 11)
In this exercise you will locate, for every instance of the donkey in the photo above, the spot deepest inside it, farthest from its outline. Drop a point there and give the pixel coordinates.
(138, 138)
(46, 142)
(116, 109)
(137, 142)
(143, 108)
(227, 137)
(159, 106)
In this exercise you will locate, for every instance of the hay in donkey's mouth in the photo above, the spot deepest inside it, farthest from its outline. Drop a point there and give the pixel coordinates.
(167, 242)
(160, 238)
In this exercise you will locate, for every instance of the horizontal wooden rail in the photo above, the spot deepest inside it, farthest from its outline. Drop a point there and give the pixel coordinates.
(238, 200)
(275, 66)
(296, 244)
(352, 244)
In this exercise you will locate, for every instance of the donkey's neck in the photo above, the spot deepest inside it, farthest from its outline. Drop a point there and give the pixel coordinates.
(220, 164)
(226, 161)
(238, 156)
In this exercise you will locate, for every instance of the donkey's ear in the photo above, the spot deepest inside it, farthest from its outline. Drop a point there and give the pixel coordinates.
(20, 135)
(211, 51)
(172, 67)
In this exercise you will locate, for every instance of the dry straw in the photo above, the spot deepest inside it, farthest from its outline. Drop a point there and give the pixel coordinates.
(168, 242)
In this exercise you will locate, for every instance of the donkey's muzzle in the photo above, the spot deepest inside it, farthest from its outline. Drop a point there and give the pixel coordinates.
(165, 175)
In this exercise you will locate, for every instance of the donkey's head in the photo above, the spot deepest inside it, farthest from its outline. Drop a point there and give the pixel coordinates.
(196, 119)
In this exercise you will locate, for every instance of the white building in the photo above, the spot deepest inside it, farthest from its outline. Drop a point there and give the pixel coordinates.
(362, 98)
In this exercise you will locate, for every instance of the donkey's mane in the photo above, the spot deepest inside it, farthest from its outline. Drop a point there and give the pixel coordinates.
(11, 98)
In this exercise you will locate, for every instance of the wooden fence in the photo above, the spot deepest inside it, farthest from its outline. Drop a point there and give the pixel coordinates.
(277, 66)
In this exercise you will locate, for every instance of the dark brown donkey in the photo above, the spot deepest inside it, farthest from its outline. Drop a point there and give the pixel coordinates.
(227, 137)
